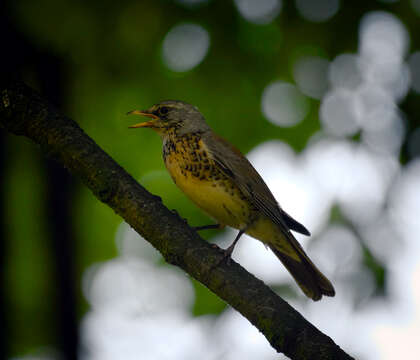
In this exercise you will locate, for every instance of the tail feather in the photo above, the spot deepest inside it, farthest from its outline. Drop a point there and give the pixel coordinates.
(294, 225)
(312, 282)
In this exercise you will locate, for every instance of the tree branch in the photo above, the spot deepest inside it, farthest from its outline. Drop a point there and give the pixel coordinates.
(24, 112)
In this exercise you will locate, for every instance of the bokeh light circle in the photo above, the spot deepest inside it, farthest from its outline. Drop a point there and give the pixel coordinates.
(185, 46)
(338, 113)
(283, 104)
(311, 74)
(386, 139)
(317, 11)
(259, 12)
(375, 107)
(345, 72)
(383, 38)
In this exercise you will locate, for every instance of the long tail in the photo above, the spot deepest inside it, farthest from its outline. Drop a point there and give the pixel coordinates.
(312, 282)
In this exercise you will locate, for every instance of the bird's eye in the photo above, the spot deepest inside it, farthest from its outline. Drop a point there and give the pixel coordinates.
(163, 110)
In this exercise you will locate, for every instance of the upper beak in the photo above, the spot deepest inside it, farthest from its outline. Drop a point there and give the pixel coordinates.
(149, 124)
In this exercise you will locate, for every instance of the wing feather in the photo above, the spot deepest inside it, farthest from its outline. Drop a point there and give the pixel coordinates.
(240, 170)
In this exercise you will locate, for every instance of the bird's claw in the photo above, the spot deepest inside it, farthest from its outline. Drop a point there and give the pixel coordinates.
(227, 253)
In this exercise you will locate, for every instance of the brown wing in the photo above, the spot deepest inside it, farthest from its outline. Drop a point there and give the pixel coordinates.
(313, 283)
(239, 169)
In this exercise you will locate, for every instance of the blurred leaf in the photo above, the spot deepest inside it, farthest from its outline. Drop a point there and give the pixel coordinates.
(206, 302)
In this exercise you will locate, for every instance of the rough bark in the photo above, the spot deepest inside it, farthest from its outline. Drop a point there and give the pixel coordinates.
(24, 112)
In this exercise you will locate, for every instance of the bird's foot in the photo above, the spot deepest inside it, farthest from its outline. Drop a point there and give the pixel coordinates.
(227, 254)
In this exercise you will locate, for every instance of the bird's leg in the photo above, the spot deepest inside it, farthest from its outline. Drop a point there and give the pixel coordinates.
(211, 226)
(228, 252)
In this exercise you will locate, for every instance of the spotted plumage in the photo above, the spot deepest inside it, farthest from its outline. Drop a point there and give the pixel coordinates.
(224, 184)
(198, 175)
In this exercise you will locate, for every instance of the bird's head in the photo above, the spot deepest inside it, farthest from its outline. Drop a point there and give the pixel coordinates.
(172, 114)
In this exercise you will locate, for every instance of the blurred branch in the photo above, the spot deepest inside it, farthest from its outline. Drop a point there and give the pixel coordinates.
(25, 112)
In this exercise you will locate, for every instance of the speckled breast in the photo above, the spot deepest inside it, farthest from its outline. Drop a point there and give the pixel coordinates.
(197, 175)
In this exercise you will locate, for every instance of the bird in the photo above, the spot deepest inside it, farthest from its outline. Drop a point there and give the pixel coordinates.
(223, 183)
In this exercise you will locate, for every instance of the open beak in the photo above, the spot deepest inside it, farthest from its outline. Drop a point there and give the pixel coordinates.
(149, 124)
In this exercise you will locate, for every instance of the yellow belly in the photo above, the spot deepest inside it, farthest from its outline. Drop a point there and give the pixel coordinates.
(212, 191)
(231, 210)
(220, 199)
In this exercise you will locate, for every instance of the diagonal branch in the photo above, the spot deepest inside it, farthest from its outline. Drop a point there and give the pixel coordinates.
(25, 112)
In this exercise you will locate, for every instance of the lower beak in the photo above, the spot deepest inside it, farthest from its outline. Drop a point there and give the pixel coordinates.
(149, 124)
